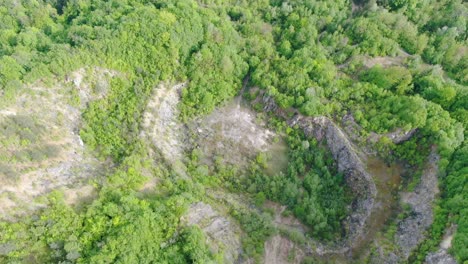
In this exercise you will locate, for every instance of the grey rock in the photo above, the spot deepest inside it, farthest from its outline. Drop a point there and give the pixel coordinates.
(398, 136)
(411, 230)
(440, 257)
(221, 233)
(348, 162)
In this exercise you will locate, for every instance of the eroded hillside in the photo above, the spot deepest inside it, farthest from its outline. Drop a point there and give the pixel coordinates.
(41, 144)
(233, 131)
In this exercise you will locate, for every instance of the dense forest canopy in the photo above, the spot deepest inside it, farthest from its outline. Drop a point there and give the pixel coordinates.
(392, 65)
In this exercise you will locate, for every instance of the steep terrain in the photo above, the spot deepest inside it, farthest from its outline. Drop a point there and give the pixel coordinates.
(41, 146)
(233, 131)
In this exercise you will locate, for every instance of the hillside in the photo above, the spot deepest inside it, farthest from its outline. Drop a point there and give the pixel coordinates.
(233, 131)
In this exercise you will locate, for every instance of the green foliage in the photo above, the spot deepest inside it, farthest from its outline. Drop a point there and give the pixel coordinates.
(259, 229)
(435, 89)
(396, 79)
(393, 112)
(312, 188)
(456, 203)
(112, 122)
(414, 151)
(114, 228)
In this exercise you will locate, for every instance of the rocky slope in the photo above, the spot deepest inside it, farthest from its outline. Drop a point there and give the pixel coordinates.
(233, 134)
(40, 140)
(222, 233)
(411, 230)
(348, 162)
(441, 256)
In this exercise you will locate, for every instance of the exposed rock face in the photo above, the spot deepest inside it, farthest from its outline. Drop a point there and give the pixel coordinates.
(233, 134)
(440, 257)
(398, 136)
(411, 230)
(348, 161)
(351, 127)
(55, 114)
(280, 250)
(162, 127)
(160, 122)
(222, 234)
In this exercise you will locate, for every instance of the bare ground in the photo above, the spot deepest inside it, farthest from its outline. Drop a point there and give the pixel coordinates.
(53, 154)
(160, 121)
(234, 134)
(280, 249)
(231, 132)
(162, 127)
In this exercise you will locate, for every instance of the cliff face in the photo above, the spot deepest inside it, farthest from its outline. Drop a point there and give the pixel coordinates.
(411, 230)
(348, 162)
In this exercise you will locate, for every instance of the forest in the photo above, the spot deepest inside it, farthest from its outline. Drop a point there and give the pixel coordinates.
(393, 67)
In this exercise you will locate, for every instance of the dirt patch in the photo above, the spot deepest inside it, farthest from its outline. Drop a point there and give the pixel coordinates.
(387, 179)
(77, 195)
(383, 61)
(446, 242)
(150, 185)
(280, 249)
(386, 61)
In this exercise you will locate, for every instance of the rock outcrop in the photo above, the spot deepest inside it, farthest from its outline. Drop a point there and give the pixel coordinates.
(411, 230)
(160, 121)
(280, 250)
(222, 234)
(54, 156)
(348, 162)
(162, 127)
(232, 133)
(440, 257)
(398, 136)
